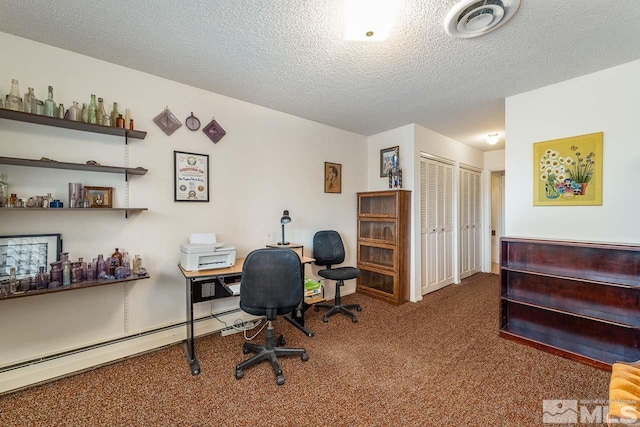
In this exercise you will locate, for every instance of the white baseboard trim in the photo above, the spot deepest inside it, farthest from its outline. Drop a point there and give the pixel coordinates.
(38, 372)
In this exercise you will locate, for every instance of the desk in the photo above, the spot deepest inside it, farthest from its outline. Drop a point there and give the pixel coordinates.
(215, 278)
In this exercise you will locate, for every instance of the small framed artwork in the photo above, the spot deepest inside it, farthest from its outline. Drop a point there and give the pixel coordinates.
(100, 197)
(191, 173)
(332, 177)
(387, 159)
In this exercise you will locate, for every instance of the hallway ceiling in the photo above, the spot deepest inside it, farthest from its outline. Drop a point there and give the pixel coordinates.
(289, 55)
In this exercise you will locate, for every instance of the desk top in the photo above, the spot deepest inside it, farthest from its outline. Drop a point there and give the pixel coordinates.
(236, 269)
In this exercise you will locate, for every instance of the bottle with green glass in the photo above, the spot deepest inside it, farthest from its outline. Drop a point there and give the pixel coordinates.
(93, 110)
(84, 114)
(114, 114)
(50, 108)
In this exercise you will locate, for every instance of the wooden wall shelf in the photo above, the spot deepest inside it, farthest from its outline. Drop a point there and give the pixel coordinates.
(73, 286)
(579, 300)
(69, 124)
(15, 161)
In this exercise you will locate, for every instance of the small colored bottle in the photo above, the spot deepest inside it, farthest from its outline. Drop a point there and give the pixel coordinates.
(117, 255)
(66, 275)
(13, 200)
(120, 121)
(114, 114)
(50, 105)
(93, 110)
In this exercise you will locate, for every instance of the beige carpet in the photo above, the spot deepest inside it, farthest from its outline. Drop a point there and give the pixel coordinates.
(439, 362)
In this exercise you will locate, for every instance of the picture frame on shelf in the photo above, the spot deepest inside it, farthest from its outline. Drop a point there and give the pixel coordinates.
(332, 177)
(191, 177)
(100, 197)
(386, 160)
(27, 252)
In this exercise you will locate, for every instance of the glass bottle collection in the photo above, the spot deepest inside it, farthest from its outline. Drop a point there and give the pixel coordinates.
(66, 272)
(93, 113)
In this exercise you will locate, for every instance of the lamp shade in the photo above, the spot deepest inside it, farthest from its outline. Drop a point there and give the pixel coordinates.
(286, 219)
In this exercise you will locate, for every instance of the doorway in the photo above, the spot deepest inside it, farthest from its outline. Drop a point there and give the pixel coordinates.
(497, 218)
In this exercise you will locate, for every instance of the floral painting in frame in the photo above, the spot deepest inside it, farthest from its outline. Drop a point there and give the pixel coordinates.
(568, 171)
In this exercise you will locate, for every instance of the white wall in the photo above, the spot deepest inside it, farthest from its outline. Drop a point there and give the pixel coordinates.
(607, 101)
(267, 162)
(494, 160)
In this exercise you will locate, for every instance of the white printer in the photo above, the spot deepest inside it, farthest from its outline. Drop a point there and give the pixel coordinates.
(203, 252)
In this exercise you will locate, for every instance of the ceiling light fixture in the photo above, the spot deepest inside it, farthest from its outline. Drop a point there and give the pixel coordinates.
(370, 20)
(493, 138)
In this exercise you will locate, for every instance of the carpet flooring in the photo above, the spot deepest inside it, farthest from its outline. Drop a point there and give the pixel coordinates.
(439, 362)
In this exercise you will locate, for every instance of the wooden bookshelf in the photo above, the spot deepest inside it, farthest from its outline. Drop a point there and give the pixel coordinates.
(579, 300)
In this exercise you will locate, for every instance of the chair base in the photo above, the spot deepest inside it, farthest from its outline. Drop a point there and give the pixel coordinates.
(338, 307)
(269, 351)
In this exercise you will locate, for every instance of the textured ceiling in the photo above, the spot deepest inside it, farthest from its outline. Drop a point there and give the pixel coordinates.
(289, 54)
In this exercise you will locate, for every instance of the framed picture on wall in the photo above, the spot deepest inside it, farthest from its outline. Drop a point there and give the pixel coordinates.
(191, 173)
(568, 171)
(332, 177)
(386, 160)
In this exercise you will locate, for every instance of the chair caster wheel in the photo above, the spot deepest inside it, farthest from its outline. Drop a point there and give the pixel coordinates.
(325, 319)
(358, 308)
(245, 350)
(304, 357)
(239, 374)
(281, 342)
(354, 319)
(316, 309)
(280, 380)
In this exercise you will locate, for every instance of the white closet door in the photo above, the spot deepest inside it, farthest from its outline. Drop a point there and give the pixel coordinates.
(470, 223)
(436, 203)
(477, 224)
(464, 223)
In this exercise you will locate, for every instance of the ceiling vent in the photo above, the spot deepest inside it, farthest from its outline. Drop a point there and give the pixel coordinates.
(473, 18)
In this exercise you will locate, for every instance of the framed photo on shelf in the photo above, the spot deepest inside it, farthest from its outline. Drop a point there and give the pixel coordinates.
(191, 173)
(332, 177)
(27, 252)
(100, 197)
(386, 160)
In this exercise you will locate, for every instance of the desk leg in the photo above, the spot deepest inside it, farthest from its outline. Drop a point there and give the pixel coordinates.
(188, 344)
(296, 318)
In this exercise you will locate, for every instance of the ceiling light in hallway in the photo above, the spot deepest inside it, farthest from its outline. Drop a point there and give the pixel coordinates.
(493, 138)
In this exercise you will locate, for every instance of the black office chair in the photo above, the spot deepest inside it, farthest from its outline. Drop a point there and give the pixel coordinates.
(328, 250)
(271, 285)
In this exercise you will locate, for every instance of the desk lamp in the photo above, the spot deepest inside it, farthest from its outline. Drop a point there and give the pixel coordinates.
(286, 219)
